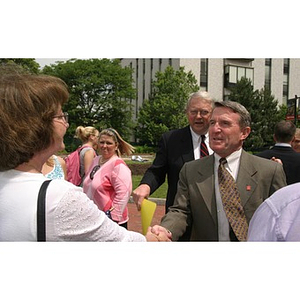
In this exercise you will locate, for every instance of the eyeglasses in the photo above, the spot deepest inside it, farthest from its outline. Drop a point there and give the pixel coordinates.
(202, 112)
(93, 172)
(63, 117)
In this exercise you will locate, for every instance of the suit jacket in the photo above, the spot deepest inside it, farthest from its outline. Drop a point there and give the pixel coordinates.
(290, 159)
(195, 199)
(175, 148)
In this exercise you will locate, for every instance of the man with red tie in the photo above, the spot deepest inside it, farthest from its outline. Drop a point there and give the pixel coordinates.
(177, 147)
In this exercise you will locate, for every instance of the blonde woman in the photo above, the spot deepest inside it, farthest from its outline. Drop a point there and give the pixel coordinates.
(89, 136)
(109, 182)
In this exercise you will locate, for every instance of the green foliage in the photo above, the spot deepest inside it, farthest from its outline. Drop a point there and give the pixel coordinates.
(264, 111)
(165, 108)
(144, 149)
(100, 90)
(161, 192)
(26, 64)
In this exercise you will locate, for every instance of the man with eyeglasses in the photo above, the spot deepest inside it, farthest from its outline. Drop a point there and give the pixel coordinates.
(177, 147)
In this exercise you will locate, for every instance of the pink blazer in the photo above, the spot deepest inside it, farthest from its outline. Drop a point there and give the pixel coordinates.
(110, 187)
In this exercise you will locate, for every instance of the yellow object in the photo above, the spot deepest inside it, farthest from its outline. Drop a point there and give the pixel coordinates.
(147, 211)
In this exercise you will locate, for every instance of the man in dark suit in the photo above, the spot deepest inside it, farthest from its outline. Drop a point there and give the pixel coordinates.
(175, 148)
(284, 133)
(200, 195)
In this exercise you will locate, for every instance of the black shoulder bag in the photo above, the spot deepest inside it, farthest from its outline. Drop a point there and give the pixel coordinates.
(41, 223)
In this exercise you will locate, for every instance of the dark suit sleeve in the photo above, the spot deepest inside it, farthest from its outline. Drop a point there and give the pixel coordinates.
(155, 175)
(179, 214)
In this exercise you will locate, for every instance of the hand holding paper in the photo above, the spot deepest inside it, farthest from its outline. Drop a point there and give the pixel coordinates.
(147, 211)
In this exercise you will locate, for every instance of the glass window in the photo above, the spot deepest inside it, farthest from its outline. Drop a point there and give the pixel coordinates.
(241, 73)
(232, 74)
(249, 74)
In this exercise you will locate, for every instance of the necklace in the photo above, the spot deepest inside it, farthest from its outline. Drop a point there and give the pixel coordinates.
(102, 161)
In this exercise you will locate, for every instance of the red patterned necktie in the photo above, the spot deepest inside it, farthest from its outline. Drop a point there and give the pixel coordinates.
(203, 147)
(232, 202)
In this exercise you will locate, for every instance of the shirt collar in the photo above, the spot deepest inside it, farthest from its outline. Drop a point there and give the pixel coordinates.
(283, 145)
(196, 137)
(231, 159)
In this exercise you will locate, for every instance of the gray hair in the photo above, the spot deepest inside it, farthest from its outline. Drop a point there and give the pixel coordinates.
(203, 95)
(245, 118)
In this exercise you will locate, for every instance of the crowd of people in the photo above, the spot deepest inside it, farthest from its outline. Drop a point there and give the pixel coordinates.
(216, 190)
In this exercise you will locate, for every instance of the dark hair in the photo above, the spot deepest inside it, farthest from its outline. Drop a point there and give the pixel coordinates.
(245, 118)
(28, 104)
(284, 131)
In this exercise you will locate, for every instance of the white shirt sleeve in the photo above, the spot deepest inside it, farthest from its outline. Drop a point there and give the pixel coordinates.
(76, 218)
(262, 225)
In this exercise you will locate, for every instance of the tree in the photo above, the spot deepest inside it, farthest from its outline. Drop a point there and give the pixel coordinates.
(264, 111)
(165, 108)
(100, 93)
(27, 64)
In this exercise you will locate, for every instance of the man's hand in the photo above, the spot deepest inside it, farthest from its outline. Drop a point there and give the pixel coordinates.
(157, 229)
(140, 193)
(157, 235)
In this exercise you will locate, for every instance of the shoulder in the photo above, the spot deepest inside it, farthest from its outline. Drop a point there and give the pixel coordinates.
(204, 163)
(284, 198)
(175, 133)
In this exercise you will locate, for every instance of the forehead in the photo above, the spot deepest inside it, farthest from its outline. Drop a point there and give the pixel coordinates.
(199, 102)
(226, 113)
(106, 137)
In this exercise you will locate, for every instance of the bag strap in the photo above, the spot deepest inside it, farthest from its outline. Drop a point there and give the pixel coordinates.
(41, 219)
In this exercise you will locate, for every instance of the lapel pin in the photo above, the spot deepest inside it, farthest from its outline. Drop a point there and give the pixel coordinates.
(248, 187)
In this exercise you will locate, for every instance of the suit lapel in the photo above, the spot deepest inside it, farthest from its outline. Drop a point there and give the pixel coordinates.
(206, 185)
(187, 145)
(246, 181)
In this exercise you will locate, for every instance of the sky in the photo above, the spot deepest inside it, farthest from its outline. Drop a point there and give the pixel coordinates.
(47, 61)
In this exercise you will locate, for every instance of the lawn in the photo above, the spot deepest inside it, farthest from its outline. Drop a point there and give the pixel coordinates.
(161, 192)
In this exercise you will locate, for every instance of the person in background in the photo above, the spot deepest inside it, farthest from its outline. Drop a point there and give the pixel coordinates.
(108, 182)
(277, 219)
(284, 132)
(218, 194)
(296, 140)
(55, 167)
(177, 147)
(89, 136)
(32, 128)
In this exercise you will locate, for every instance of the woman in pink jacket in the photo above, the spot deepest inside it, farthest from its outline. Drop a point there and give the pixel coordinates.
(108, 182)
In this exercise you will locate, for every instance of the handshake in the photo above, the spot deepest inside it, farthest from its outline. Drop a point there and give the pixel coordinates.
(158, 234)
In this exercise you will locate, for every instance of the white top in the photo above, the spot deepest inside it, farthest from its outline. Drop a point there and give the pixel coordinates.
(70, 214)
(278, 217)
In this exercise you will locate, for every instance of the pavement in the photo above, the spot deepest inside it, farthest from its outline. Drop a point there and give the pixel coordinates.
(135, 223)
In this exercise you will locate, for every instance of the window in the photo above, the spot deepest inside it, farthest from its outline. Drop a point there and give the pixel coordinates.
(235, 73)
(268, 65)
(286, 69)
(203, 74)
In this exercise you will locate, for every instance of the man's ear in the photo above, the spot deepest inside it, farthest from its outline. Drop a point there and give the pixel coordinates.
(245, 132)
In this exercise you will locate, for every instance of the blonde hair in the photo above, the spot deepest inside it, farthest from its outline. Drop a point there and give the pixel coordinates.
(83, 133)
(123, 147)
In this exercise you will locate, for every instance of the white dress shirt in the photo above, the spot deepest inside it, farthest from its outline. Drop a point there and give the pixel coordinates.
(196, 143)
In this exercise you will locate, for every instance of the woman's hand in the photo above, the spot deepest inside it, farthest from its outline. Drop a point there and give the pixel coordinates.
(158, 234)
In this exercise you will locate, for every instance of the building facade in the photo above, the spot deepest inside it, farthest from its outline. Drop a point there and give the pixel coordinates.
(216, 75)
